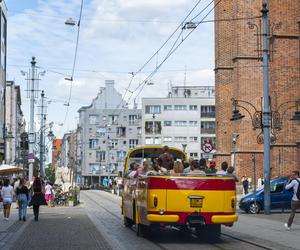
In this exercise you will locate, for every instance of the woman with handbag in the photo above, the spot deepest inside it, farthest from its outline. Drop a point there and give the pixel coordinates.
(22, 194)
(38, 198)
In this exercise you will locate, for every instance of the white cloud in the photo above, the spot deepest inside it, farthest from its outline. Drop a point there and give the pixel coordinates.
(116, 36)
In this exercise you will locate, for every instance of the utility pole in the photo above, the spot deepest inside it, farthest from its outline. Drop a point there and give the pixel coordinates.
(42, 135)
(32, 94)
(266, 110)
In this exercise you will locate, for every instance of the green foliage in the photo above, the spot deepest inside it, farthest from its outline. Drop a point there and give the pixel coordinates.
(50, 173)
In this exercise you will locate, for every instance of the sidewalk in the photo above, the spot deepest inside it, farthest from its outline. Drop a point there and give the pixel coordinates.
(267, 230)
(10, 228)
(57, 228)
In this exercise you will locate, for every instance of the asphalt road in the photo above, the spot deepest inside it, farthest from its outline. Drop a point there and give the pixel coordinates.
(104, 210)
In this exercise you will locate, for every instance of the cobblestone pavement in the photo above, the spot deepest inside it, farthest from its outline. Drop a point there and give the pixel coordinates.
(61, 228)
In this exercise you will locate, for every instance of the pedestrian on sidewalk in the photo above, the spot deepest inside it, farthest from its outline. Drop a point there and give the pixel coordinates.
(37, 198)
(22, 194)
(7, 194)
(293, 184)
(245, 183)
(48, 193)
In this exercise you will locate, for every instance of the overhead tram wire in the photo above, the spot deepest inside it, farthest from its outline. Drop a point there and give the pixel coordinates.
(156, 53)
(143, 83)
(171, 51)
(74, 63)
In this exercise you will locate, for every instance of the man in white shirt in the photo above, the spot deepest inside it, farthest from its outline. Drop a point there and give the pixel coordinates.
(294, 183)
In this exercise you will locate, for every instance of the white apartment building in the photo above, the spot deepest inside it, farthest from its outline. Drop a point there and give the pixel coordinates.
(107, 129)
(185, 119)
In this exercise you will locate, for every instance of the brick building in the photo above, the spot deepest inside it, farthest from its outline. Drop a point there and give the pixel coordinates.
(239, 75)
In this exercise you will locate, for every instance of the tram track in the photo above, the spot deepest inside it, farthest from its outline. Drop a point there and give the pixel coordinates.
(225, 236)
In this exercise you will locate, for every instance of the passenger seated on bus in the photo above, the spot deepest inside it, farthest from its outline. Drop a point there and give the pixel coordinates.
(202, 165)
(195, 168)
(161, 166)
(230, 171)
(178, 169)
(212, 167)
(133, 173)
(144, 169)
(166, 160)
(131, 168)
(224, 167)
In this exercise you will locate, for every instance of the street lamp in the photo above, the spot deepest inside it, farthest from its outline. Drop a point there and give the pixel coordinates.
(265, 119)
(70, 22)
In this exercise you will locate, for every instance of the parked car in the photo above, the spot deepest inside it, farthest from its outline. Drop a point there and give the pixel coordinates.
(280, 197)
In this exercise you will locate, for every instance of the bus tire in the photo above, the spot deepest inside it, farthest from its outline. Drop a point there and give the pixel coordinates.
(128, 222)
(210, 232)
(142, 230)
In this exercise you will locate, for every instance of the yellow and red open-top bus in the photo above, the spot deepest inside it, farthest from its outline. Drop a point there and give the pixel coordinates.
(201, 203)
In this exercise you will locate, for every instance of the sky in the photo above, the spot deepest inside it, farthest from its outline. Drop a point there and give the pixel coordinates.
(116, 37)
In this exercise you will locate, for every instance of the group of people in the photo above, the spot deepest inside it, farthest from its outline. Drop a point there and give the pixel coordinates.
(27, 194)
(165, 164)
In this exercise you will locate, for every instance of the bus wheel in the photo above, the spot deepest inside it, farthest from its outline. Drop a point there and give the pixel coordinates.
(209, 232)
(142, 230)
(128, 222)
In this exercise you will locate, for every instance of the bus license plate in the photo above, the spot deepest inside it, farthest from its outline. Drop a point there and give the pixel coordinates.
(196, 202)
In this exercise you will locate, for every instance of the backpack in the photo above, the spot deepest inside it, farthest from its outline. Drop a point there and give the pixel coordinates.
(298, 190)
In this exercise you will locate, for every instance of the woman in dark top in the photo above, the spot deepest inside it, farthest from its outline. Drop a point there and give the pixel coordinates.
(22, 197)
(38, 198)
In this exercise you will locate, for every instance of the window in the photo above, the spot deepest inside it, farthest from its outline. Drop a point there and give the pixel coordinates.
(101, 132)
(167, 139)
(180, 123)
(194, 155)
(93, 143)
(90, 130)
(113, 143)
(94, 168)
(149, 127)
(121, 155)
(180, 107)
(133, 143)
(208, 127)
(193, 138)
(193, 107)
(121, 131)
(208, 111)
(152, 109)
(3, 41)
(93, 119)
(180, 138)
(277, 188)
(193, 123)
(139, 130)
(167, 107)
(113, 119)
(100, 155)
(167, 123)
(132, 119)
(149, 140)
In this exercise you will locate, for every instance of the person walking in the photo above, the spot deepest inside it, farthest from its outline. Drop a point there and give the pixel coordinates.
(37, 198)
(293, 184)
(22, 194)
(48, 193)
(245, 183)
(7, 194)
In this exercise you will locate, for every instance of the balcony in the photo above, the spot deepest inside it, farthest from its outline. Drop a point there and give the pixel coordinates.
(208, 114)
(208, 130)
